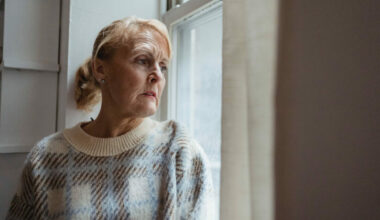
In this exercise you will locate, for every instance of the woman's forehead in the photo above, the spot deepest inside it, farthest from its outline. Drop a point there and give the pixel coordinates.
(154, 50)
(150, 43)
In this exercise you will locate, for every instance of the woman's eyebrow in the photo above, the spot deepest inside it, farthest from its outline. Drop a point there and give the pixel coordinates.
(152, 54)
(141, 49)
(142, 52)
(166, 61)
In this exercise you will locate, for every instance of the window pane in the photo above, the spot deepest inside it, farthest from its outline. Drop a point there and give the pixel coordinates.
(199, 84)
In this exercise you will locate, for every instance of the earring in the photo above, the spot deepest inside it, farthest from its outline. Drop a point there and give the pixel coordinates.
(102, 81)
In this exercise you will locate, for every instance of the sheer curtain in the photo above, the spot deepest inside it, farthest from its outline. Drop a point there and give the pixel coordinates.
(249, 66)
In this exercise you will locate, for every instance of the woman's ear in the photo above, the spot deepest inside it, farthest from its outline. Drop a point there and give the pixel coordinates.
(98, 68)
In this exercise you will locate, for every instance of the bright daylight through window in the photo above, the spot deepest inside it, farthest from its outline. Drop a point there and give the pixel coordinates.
(199, 84)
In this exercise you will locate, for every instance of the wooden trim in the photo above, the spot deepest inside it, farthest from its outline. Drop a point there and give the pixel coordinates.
(30, 65)
(64, 62)
(15, 148)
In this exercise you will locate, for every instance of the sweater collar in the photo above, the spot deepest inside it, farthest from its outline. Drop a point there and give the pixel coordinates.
(96, 146)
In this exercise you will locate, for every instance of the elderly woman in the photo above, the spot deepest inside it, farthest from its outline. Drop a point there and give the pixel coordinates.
(122, 165)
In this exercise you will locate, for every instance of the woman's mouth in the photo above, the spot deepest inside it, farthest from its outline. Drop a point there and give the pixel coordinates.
(151, 93)
(149, 96)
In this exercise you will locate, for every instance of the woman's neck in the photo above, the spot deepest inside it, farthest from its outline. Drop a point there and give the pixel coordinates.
(105, 126)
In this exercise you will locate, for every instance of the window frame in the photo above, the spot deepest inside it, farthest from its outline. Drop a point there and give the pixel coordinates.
(175, 19)
(172, 19)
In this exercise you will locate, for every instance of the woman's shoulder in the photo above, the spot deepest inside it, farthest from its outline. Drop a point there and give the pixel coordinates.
(54, 143)
(174, 127)
(182, 142)
(172, 130)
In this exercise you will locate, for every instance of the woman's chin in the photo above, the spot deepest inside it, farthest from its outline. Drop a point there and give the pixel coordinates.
(149, 110)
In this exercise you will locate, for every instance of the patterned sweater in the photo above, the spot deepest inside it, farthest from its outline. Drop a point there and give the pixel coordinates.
(154, 171)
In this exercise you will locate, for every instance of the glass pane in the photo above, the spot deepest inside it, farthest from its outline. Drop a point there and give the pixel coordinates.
(199, 85)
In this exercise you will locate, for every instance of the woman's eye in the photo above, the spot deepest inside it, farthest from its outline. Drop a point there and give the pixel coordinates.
(164, 69)
(142, 61)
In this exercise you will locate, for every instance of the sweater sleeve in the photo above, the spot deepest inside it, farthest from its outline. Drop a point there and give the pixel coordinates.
(21, 206)
(195, 192)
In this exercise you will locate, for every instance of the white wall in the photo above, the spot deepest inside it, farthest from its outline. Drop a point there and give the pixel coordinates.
(328, 142)
(28, 89)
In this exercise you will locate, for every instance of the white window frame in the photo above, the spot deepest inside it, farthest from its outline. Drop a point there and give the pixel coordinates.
(172, 18)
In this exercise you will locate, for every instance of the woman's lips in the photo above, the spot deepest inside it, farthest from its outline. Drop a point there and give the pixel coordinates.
(149, 96)
(150, 93)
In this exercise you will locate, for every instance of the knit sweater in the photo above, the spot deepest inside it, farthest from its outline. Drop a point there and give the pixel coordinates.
(154, 171)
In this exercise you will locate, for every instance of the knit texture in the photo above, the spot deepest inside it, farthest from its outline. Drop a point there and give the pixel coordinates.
(154, 171)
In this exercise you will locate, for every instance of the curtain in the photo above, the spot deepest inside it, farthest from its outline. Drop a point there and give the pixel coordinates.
(249, 66)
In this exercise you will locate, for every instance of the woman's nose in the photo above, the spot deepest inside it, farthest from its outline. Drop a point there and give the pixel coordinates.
(156, 73)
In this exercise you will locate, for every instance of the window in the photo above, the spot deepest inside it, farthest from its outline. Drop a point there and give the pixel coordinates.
(195, 79)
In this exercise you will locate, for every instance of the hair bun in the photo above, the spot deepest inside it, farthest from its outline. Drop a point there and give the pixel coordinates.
(87, 89)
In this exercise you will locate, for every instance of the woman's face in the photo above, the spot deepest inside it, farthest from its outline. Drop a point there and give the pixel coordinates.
(131, 73)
